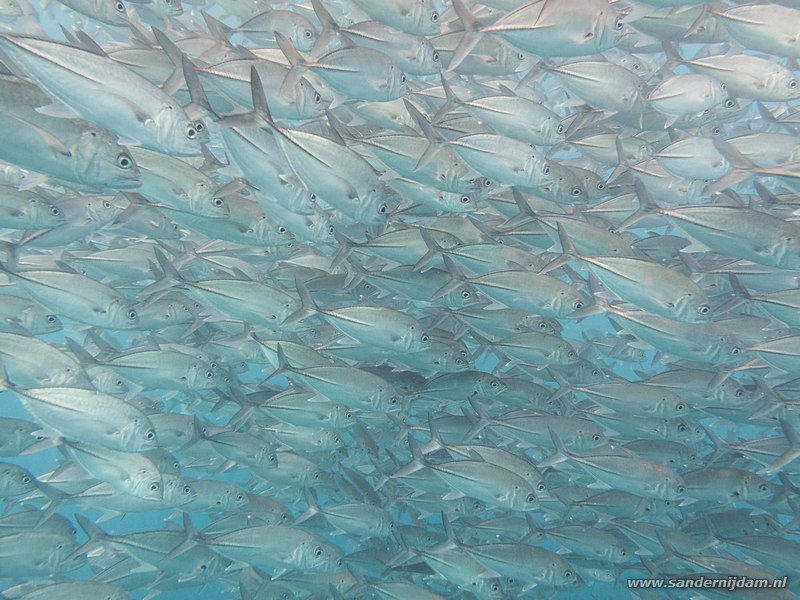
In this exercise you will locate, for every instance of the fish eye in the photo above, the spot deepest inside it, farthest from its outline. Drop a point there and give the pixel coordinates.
(619, 25)
(623, 552)
(154, 486)
(596, 437)
(716, 131)
(636, 66)
(682, 428)
(187, 489)
(459, 362)
(576, 191)
(704, 309)
(465, 199)
(435, 16)
(494, 384)
(530, 498)
(382, 209)
(239, 497)
(601, 186)
(281, 229)
(317, 100)
(191, 132)
(570, 354)
(308, 33)
(679, 406)
(124, 160)
(435, 56)
(219, 202)
(150, 435)
(331, 229)
(792, 84)
(546, 170)
(209, 374)
(577, 305)
(317, 551)
(402, 77)
(132, 314)
(54, 211)
(567, 574)
(465, 294)
(119, 6)
(424, 337)
(560, 129)
(739, 393)
(51, 318)
(393, 400)
(199, 126)
(763, 487)
(735, 350)
(26, 479)
(729, 103)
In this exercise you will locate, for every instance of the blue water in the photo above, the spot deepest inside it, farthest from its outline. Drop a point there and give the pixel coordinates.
(388, 438)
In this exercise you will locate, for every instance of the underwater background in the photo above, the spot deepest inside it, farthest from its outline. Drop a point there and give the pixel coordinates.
(399, 299)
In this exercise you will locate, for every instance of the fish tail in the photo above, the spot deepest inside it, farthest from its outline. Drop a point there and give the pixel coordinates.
(433, 249)
(329, 27)
(313, 506)
(456, 278)
(647, 205)
(472, 34)
(451, 100)
(435, 140)
(482, 423)
(296, 61)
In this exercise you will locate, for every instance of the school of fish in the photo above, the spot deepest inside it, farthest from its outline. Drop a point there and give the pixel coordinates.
(399, 299)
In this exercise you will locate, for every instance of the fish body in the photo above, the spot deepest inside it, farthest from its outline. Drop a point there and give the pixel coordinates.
(130, 105)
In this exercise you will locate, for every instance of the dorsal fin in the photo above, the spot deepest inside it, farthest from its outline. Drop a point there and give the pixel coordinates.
(88, 44)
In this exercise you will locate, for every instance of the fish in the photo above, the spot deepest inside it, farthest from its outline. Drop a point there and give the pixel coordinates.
(127, 472)
(292, 24)
(70, 150)
(629, 473)
(72, 75)
(65, 410)
(404, 299)
(97, 304)
(667, 294)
